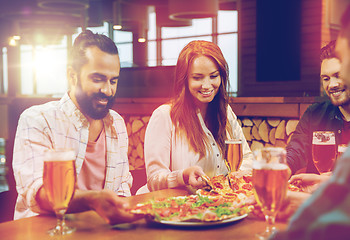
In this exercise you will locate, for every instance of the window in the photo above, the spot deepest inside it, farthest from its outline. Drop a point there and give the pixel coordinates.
(173, 39)
(4, 73)
(43, 67)
(123, 39)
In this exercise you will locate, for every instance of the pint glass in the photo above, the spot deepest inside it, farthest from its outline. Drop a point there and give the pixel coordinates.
(233, 154)
(324, 150)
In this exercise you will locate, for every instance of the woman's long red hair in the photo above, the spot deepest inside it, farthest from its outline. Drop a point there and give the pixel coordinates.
(183, 112)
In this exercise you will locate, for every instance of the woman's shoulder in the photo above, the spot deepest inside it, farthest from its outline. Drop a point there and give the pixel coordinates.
(162, 109)
(162, 112)
(161, 116)
(230, 114)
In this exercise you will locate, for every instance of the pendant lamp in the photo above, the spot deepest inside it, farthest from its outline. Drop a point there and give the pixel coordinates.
(163, 20)
(191, 9)
(63, 4)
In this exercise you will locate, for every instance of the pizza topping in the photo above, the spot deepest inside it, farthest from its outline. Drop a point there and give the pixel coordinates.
(189, 208)
(236, 186)
(228, 196)
(294, 188)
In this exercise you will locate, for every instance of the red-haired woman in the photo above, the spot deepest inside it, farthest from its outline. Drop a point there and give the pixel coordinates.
(186, 137)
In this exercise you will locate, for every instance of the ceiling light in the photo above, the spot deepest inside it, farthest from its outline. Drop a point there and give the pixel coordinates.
(117, 15)
(185, 9)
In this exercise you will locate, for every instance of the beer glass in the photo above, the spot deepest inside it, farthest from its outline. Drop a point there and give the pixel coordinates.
(324, 150)
(59, 183)
(270, 181)
(233, 154)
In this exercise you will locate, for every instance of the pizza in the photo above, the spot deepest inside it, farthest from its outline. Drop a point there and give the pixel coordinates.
(192, 208)
(237, 186)
(294, 187)
(225, 197)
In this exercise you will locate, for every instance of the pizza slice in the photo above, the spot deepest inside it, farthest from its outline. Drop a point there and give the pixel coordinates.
(241, 183)
(237, 188)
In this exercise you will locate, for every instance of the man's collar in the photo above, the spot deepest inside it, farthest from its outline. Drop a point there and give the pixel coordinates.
(345, 113)
(69, 108)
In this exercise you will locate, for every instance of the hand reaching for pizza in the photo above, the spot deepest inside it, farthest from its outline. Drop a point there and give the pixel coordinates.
(192, 176)
(308, 182)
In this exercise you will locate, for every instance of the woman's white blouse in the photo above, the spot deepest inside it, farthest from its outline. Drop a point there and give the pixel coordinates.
(166, 156)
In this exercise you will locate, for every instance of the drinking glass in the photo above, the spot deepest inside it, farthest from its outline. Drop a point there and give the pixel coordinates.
(270, 180)
(233, 154)
(59, 183)
(324, 150)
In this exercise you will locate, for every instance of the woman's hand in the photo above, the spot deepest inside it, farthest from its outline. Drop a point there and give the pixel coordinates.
(192, 176)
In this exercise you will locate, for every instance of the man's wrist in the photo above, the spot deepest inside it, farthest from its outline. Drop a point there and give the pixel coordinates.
(83, 200)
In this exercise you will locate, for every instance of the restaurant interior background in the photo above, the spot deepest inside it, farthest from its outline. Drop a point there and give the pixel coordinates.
(272, 48)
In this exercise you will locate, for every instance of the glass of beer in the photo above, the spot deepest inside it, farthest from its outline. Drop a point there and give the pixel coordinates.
(233, 154)
(270, 181)
(324, 150)
(59, 179)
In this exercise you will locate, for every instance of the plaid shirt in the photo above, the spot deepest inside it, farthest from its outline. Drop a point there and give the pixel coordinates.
(59, 124)
(326, 214)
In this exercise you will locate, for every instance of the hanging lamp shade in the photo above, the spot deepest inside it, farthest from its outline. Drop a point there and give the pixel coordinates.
(63, 4)
(117, 15)
(163, 20)
(185, 9)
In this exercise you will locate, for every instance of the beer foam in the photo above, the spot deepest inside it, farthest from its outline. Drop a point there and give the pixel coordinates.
(273, 166)
(233, 141)
(323, 138)
(323, 143)
(59, 155)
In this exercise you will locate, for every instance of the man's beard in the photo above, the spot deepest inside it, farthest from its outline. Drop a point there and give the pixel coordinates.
(86, 103)
(338, 103)
(341, 102)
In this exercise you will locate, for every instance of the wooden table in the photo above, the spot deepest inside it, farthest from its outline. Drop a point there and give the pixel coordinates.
(90, 226)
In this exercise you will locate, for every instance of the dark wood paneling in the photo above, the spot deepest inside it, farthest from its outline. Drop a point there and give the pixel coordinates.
(311, 25)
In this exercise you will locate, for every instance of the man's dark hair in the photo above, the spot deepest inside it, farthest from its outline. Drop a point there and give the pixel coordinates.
(328, 51)
(89, 39)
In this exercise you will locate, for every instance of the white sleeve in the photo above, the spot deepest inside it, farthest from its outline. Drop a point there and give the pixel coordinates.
(157, 148)
(30, 143)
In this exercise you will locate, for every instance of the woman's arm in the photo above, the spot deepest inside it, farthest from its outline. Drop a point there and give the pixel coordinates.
(157, 148)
